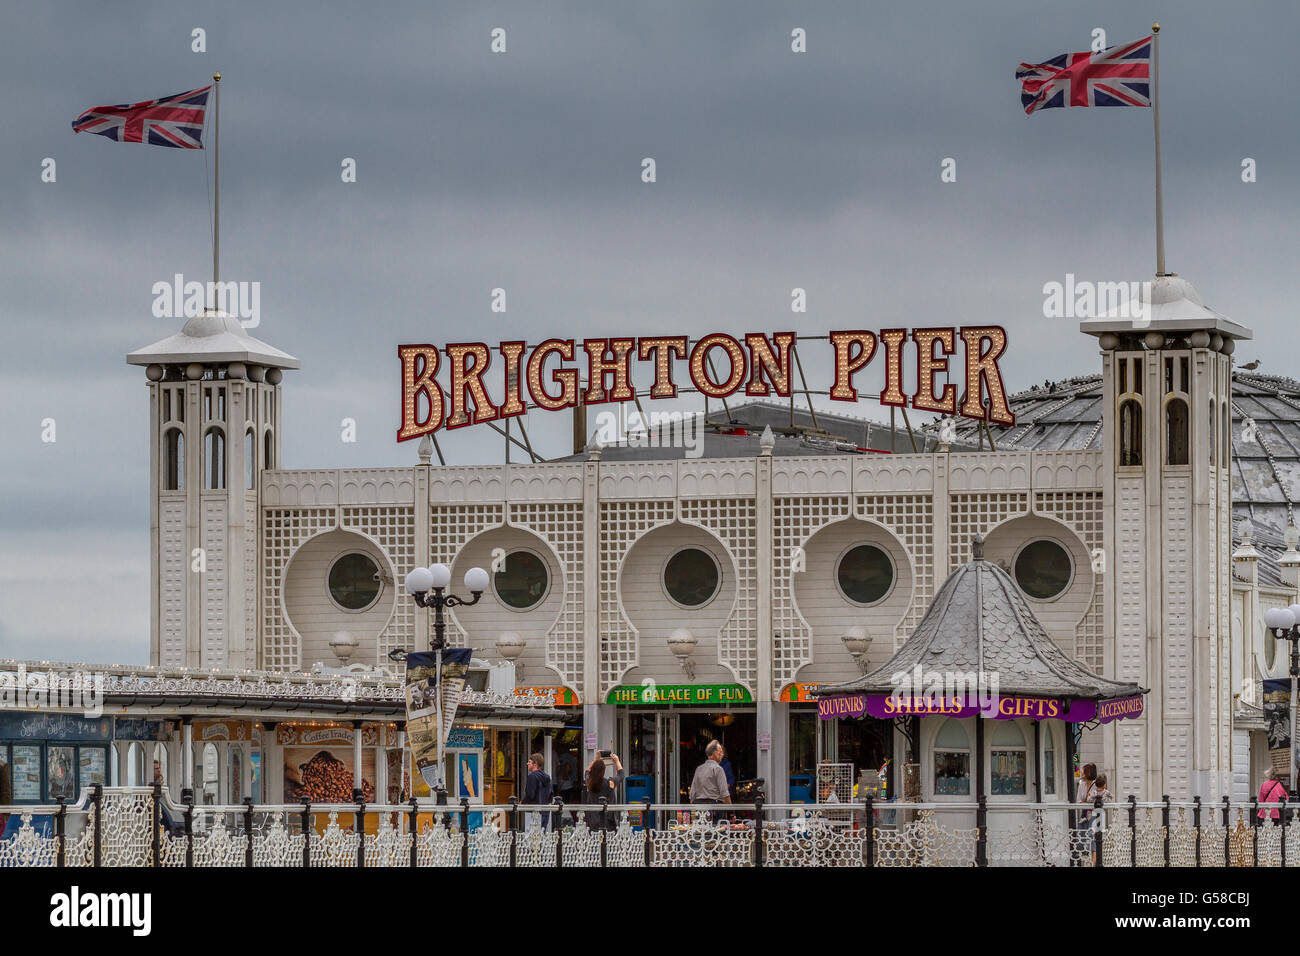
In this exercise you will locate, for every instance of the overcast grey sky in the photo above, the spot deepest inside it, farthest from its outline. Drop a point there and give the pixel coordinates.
(522, 171)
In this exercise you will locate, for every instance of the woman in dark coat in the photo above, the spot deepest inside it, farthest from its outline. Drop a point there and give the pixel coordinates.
(596, 785)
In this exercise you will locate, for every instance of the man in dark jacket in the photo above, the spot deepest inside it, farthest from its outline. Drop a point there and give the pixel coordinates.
(538, 788)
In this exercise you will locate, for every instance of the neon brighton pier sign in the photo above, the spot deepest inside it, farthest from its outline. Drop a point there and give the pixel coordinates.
(554, 371)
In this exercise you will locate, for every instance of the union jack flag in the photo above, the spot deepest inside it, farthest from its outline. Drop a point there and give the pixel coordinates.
(1119, 76)
(175, 121)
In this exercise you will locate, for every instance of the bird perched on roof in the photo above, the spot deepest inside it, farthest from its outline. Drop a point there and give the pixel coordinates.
(1250, 366)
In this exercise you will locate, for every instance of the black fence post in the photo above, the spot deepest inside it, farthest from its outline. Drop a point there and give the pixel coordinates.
(189, 828)
(982, 831)
(870, 843)
(1196, 820)
(1132, 829)
(248, 832)
(512, 826)
(414, 827)
(306, 832)
(361, 834)
(604, 831)
(60, 834)
(97, 798)
(1227, 834)
(155, 815)
(1096, 824)
(464, 831)
(559, 831)
(758, 831)
(1254, 830)
(1282, 818)
(1164, 821)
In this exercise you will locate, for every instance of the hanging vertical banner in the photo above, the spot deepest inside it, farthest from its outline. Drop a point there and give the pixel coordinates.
(433, 688)
(1277, 716)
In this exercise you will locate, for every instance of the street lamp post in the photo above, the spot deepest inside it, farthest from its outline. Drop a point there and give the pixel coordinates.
(428, 588)
(1284, 622)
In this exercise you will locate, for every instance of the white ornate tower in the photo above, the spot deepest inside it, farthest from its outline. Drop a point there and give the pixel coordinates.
(214, 424)
(1167, 397)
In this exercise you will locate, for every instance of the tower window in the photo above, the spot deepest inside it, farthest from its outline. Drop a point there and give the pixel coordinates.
(1130, 432)
(250, 460)
(214, 460)
(1176, 432)
(268, 459)
(1212, 418)
(174, 460)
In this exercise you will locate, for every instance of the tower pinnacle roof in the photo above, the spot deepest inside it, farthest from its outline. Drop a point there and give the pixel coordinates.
(212, 336)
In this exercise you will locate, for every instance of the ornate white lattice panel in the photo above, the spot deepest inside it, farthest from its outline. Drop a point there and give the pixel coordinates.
(794, 521)
(972, 514)
(1082, 513)
(212, 583)
(560, 525)
(734, 520)
(174, 562)
(283, 532)
(911, 517)
(393, 527)
(621, 524)
(450, 526)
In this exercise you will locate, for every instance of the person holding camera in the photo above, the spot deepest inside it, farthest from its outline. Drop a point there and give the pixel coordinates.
(598, 784)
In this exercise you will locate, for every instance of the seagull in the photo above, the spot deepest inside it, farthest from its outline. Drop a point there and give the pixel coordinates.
(1250, 366)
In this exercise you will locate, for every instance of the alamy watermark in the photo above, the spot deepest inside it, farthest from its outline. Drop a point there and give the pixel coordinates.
(50, 690)
(1085, 299)
(181, 299)
(944, 691)
(656, 429)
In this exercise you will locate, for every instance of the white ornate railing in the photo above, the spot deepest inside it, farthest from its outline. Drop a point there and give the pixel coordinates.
(130, 827)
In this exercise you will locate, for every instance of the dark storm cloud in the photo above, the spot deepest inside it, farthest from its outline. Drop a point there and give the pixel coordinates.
(521, 171)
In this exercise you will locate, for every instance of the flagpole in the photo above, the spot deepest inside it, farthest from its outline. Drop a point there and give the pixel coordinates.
(1155, 115)
(216, 189)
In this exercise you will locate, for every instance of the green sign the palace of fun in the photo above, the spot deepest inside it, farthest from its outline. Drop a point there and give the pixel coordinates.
(683, 695)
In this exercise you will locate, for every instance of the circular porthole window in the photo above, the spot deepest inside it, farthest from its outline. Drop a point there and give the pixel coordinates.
(865, 574)
(354, 581)
(523, 582)
(1043, 569)
(691, 577)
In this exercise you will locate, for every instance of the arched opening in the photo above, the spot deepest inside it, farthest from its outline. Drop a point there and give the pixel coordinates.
(1130, 432)
(1008, 760)
(174, 460)
(1213, 432)
(214, 460)
(250, 460)
(1176, 432)
(268, 449)
(952, 760)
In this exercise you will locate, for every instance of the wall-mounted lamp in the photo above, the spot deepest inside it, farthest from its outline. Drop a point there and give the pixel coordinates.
(511, 648)
(856, 641)
(682, 643)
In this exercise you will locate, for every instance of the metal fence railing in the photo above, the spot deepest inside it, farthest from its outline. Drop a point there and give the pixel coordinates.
(142, 826)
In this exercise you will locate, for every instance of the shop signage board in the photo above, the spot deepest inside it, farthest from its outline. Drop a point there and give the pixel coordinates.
(306, 735)
(37, 726)
(562, 696)
(139, 728)
(463, 384)
(1008, 707)
(223, 730)
(681, 695)
(798, 693)
(466, 738)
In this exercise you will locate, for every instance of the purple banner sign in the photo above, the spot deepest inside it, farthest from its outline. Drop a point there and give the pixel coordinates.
(885, 706)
